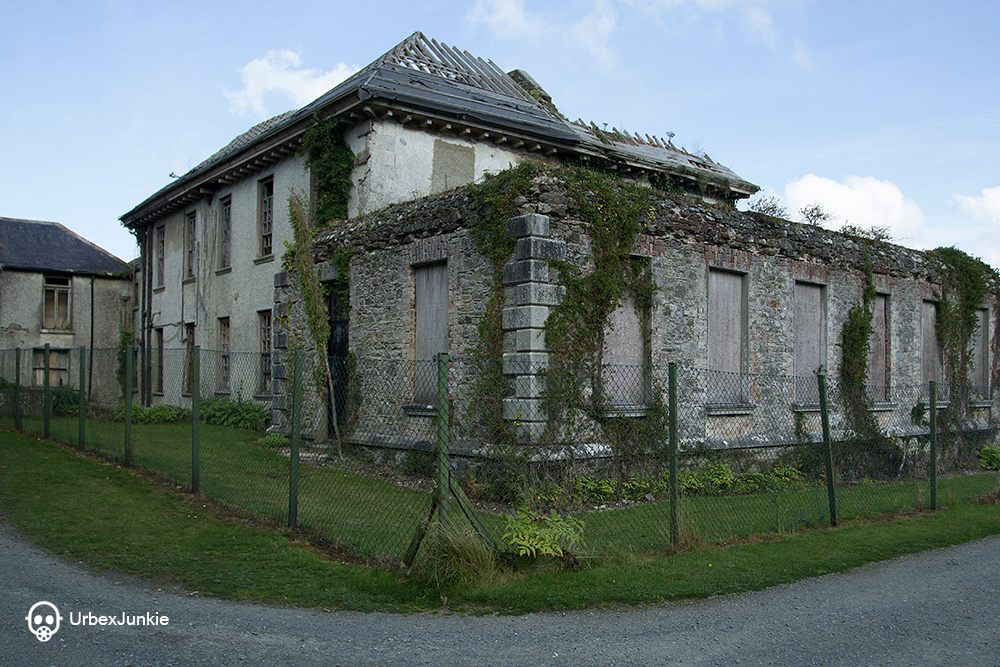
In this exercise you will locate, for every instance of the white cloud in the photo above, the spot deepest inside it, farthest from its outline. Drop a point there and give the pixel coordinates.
(862, 201)
(590, 34)
(984, 206)
(506, 18)
(801, 56)
(281, 73)
(760, 24)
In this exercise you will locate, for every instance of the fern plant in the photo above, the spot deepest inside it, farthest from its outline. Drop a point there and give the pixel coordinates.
(542, 535)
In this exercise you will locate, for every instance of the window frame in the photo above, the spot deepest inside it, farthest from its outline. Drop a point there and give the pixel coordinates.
(222, 379)
(422, 371)
(810, 396)
(265, 217)
(38, 367)
(189, 342)
(265, 334)
(190, 245)
(225, 232)
(65, 290)
(161, 253)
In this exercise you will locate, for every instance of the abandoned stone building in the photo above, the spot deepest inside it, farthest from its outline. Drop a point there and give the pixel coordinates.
(61, 290)
(471, 217)
(421, 119)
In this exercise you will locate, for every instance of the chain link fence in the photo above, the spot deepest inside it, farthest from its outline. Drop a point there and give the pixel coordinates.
(611, 460)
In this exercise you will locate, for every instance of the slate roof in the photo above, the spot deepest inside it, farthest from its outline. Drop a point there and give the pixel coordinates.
(423, 74)
(37, 245)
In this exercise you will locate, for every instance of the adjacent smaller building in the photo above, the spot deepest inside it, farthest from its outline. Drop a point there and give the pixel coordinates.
(59, 289)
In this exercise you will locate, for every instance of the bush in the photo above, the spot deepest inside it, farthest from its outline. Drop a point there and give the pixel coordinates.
(589, 489)
(65, 402)
(636, 489)
(157, 414)
(272, 440)
(246, 415)
(542, 535)
(718, 478)
(989, 458)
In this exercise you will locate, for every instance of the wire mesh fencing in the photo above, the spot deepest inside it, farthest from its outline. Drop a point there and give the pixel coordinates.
(362, 453)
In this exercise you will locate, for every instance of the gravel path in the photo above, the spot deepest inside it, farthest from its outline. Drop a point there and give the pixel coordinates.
(939, 607)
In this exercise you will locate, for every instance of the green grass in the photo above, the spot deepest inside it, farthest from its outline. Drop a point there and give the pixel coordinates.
(376, 519)
(115, 519)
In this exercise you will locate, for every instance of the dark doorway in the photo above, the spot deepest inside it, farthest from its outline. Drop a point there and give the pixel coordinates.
(337, 349)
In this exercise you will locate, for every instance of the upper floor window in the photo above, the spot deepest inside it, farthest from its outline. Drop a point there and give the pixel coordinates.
(190, 244)
(56, 303)
(265, 215)
(225, 231)
(161, 251)
(727, 338)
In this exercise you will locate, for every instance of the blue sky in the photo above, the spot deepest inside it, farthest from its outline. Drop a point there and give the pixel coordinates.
(887, 113)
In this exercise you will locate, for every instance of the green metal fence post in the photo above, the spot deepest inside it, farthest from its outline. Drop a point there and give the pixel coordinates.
(17, 389)
(672, 443)
(294, 441)
(934, 442)
(828, 447)
(443, 432)
(82, 400)
(195, 419)
(46, 396)
(129, 457)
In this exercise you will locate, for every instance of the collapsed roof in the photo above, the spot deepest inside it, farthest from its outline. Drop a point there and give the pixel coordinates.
(433, 86)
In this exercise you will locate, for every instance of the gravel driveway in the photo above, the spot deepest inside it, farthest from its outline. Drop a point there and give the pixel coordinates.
(939, 607)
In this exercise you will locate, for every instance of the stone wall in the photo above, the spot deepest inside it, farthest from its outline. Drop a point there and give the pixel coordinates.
(684, 238)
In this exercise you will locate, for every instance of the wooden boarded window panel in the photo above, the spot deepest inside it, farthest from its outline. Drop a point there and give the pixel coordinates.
(878, 352)
(624, 357)
(930, 365)
(452, 166)
(808, 335)
(726, 337)
(980, 377)
(431, 327)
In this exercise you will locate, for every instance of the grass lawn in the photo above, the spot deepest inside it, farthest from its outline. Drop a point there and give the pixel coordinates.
(375, 518)
(113, 518)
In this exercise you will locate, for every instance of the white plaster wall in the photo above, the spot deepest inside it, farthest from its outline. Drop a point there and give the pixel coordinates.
(237, 292)
(395, 163)
(21, 298)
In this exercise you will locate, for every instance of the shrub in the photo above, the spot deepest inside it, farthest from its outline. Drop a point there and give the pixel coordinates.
(718, 478)
(455, 555)
(542, 535)
(636, 489)
(272, 440)
(788, 477)
(989, 458)
(245, 415)
(157, 414)
(689, 483)
(587, 488)
(755, 482)
(65, 402)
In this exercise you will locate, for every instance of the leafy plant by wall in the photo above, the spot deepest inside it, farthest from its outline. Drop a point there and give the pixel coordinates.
(330, 162)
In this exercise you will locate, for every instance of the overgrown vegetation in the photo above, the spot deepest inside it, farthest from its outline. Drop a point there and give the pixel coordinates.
(989, 458)
(247, 415)
(157, 414)
(126, 341)
(533, 535)
(330, 162)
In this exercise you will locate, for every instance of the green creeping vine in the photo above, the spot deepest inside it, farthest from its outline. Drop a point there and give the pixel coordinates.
(331, 163)
(855, 340)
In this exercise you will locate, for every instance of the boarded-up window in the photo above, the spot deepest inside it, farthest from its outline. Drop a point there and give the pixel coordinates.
(930, 360)
(431, 327)
(726, 337)
(878, 352)
(453, 165)
(624, 357)
(810, 343)
(980, 378)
